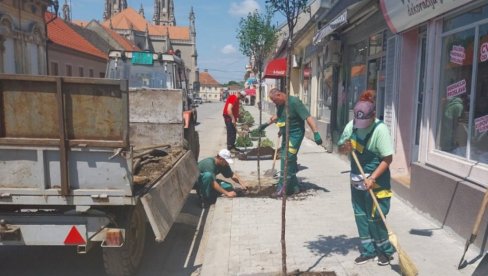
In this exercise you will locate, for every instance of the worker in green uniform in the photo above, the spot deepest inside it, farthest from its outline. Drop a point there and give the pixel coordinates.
(208, 186)
(298, 115)
(371, 141)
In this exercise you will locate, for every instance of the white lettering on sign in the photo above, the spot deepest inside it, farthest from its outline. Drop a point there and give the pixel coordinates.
(458, 54)
(484, 52)
(481, 124)
(279, 72)
(456, 89)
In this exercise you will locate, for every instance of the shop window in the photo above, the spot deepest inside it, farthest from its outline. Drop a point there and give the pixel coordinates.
(357, 72)
(325, 96)
(307, 72)
(479, 137)
(463, 109)
(466, 18)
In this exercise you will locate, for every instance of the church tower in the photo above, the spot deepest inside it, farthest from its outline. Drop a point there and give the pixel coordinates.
(164, 13)
(113, 7)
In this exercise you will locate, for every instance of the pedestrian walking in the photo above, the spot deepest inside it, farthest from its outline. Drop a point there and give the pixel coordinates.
(298, 115)
(370, 138)
(231, 114)
(208, 186)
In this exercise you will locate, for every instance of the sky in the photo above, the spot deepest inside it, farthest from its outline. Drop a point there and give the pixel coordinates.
(217, 22)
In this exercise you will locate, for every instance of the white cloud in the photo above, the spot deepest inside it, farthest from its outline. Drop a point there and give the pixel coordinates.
(228, 49)
(243, 8)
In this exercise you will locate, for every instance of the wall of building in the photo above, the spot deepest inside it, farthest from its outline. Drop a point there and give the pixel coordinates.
(22, 37)
(406, 95)
(64, 57)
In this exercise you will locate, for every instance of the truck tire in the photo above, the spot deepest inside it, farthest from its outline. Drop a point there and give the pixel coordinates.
(125, 260)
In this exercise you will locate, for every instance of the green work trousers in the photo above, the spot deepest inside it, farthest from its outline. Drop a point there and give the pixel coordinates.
(372, 231)
(207, 192)
(296, 138)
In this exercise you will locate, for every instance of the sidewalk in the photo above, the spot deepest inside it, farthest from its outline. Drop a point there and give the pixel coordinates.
(244, 233)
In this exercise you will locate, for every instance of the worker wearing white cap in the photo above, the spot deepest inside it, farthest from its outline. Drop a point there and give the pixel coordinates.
(231, 114)
(208, 186)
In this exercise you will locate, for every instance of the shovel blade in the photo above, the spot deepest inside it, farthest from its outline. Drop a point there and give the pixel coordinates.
(271, 172)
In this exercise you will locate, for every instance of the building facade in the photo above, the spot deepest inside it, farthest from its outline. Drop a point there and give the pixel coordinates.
(23, 37)
(210, 89)
(162, 35)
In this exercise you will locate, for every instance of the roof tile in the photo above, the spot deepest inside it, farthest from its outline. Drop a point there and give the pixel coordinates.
(130, 19)
(62, 34)
(207, 80)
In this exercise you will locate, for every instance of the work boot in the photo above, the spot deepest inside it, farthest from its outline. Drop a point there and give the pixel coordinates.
(384, 260)
(362, 259)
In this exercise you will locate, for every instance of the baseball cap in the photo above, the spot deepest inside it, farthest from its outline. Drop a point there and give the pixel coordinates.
(225, 153)
(242, 92)
(363, 114)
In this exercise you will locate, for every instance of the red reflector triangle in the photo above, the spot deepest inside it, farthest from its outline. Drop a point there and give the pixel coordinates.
(74, 237)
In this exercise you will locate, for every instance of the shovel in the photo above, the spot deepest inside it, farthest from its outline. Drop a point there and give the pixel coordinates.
(272, 171)
(476, 228)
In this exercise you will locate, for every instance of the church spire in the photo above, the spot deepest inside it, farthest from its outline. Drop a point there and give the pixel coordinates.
(141, 11)
(164, 13)
(113, 7)
(66, 12)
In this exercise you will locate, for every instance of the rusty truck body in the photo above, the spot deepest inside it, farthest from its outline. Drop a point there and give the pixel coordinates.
(70, 154)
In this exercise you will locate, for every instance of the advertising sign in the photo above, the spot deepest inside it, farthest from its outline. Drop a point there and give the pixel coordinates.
(481, 124)
(484, 52)
(456, 89)
(457, 54)
(403, 14)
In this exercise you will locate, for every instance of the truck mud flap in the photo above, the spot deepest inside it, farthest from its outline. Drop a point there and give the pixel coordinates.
(164, 201)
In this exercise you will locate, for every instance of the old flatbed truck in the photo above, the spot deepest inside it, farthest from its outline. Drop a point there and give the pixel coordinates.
(86, 162)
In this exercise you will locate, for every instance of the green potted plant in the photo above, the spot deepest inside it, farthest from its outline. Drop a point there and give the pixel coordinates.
(243, 142)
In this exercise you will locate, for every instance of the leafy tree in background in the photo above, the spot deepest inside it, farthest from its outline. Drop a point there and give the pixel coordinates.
(291, 9)
(257, 39)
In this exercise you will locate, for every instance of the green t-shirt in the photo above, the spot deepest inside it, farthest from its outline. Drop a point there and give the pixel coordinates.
(298, 113)
(379, 143)
(208, 165)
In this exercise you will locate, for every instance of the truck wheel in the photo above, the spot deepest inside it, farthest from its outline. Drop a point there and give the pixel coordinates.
(124, 261)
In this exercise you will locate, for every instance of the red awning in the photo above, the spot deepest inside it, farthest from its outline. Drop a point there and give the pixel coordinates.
(276, 69)
(250, 92)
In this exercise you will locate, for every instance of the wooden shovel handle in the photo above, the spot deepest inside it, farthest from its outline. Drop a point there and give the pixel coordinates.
(354, 156)
(275, 153)
(481, 212)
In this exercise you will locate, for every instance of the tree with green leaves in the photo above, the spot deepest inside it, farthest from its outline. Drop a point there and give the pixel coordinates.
(257, 39)
(291, 9)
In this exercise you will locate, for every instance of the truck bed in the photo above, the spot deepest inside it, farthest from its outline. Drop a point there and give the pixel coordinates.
(69, 141)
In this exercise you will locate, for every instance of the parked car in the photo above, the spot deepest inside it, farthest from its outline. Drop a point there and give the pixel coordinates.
(197, 100)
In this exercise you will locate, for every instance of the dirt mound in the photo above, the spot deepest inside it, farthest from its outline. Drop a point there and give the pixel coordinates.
(265, 153)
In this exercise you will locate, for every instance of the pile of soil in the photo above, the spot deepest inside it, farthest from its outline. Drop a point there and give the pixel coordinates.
(154, 164)
(268, 186)
(265, 153)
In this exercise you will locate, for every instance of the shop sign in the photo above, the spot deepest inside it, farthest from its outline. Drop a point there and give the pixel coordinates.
(456, 89)
(331, 27)
(458, 54)
(481, 124)
(403, 14)
(484, 52)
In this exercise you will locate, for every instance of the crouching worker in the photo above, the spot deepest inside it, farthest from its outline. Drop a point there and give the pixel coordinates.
(208, 186)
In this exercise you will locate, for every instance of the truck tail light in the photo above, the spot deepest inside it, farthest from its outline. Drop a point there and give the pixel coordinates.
(113, 238)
